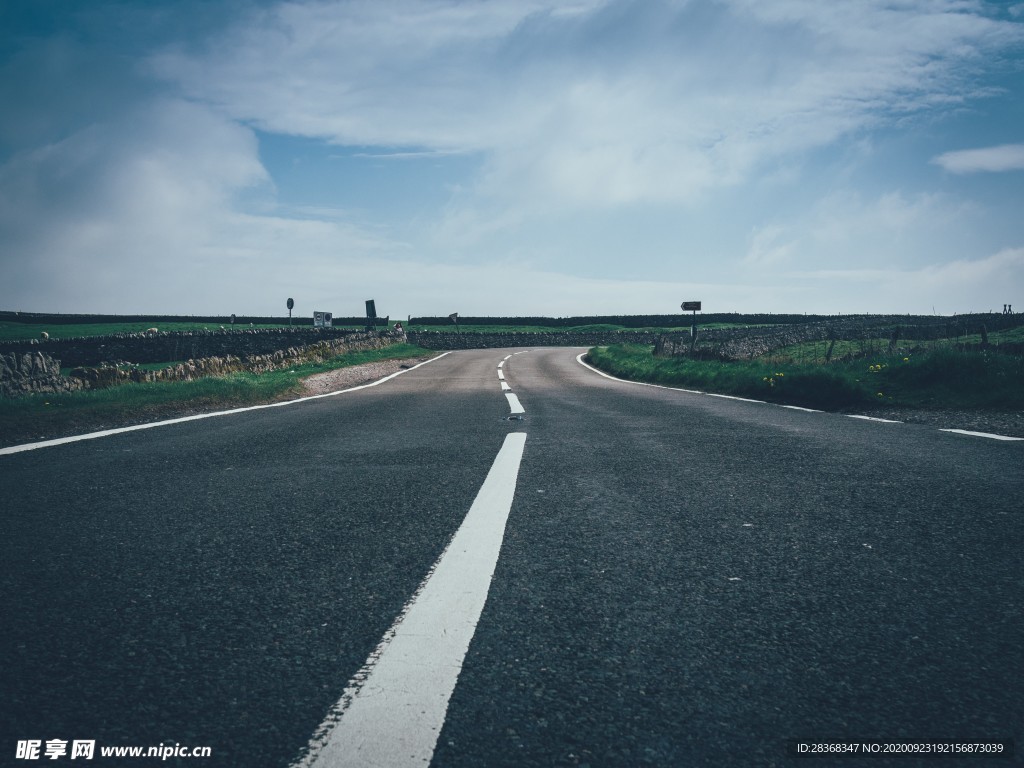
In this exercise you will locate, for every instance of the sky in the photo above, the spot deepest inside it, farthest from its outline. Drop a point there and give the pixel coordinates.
(511, 157)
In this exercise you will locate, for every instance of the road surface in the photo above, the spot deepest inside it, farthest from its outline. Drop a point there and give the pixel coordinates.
(638, 576)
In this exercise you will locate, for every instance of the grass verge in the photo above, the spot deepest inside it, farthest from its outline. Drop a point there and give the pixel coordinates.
(943, 378)
(37, 417)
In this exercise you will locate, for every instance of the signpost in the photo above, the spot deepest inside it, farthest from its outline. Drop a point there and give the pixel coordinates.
(454, 317)
(692, 306)
(322, 319)
(371, 314)
(291, 305)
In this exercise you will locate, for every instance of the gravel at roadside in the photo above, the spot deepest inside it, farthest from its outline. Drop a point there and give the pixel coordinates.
(354, 375)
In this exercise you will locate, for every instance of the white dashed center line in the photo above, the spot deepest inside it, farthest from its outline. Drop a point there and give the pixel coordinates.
(513, 404)
(515, 407)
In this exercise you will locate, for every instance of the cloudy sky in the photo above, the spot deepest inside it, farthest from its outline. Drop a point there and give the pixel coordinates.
(511, 157)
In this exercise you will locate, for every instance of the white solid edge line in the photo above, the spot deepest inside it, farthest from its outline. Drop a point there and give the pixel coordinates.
(198, 416)
(391, 713)
(981, 434)
(872, 418)
(733, 397)
(579, 359)
(513, 404)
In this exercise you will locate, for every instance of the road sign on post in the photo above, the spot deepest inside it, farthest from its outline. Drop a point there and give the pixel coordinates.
(371, 314)
(454, 317)
(322, 319)
(692, 306)
(291, 305)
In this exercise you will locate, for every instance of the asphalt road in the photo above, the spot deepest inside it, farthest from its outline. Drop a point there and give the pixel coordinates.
(683, 579)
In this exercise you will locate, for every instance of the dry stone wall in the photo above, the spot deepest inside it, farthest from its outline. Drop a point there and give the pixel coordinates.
(748, 343)
(36, 372)
(33, 372)
(470, 340)
(171, 346)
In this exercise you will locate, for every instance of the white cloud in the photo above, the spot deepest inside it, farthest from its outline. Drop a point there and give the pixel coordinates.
(145, 212)
(614, 103)
(1007, 157)
(603, 138)
(770, 246)
(847, 228)
(956, 286)
(508, 289)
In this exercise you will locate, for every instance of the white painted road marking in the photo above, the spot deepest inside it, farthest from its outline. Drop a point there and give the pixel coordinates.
(579, 359)
(981, 434)
(198, 416)
(515, 407)
(733, 397)
(392, 711)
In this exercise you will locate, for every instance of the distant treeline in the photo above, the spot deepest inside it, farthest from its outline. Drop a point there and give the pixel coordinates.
(50, 318)
(630, 321)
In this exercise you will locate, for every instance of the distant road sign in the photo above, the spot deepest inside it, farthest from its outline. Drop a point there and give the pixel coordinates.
(322, 319)
(371, 309)
(691, 306)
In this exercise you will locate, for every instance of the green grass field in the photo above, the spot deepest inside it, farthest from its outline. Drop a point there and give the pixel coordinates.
(940, 378)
